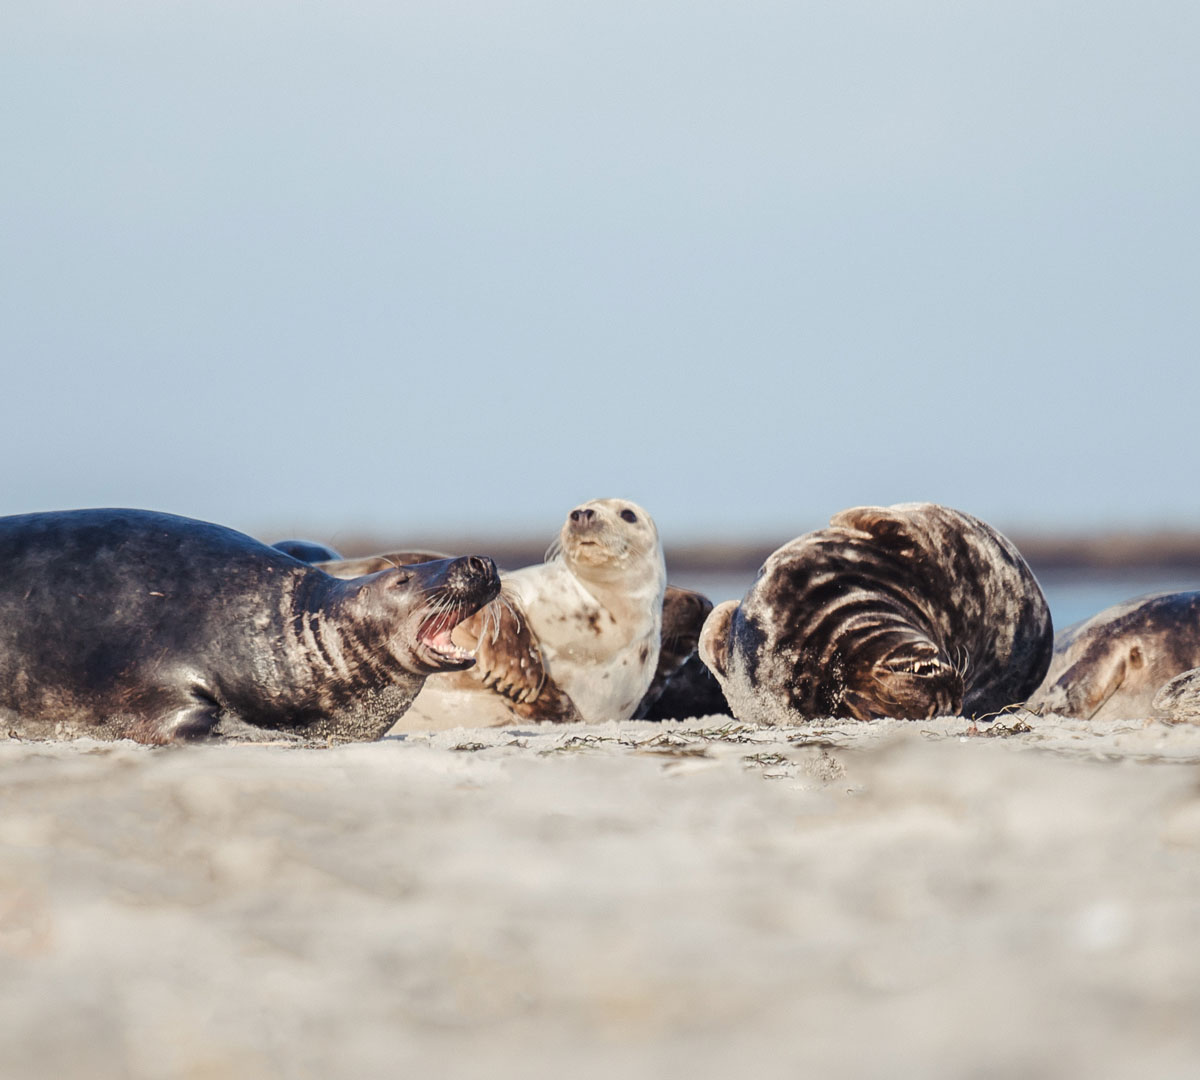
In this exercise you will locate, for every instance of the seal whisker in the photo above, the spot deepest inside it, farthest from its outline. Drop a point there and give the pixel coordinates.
(512, 608)
(963, 665)
(883, 695)
(491, 619)
(435, 604)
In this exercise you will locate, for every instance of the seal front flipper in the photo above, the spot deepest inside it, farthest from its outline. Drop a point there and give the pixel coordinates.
(552, 706)
(889, 529)
(507, 656)
(193, 719)
(1087, 684)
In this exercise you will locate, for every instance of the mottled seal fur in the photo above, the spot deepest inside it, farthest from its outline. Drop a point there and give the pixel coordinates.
(1179, 699)
(1112, 666)
(127, 623)
(908, 611)
(578, 638)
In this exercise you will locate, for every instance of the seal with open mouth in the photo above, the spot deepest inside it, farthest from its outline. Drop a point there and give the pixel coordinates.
(134, 624)
(908, 611)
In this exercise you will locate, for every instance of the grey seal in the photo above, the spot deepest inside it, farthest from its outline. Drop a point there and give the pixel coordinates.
(1113, 665)
(133, 624)
(909, 611)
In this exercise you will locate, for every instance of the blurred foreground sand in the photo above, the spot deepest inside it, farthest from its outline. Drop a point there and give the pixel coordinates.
(641, 900)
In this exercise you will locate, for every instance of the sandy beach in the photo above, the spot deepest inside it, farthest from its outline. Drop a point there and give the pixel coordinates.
(694, 899)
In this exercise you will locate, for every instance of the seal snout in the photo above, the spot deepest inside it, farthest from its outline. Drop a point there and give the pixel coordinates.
(459, 578)
(585, 526)
(454, 590)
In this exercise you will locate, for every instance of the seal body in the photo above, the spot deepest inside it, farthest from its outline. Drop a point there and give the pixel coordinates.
(1112, 666)
(132, 624)
(581, 637)
(908, 611)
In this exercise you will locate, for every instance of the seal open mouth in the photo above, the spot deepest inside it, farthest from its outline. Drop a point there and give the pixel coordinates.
(434, 640)
(455, 589)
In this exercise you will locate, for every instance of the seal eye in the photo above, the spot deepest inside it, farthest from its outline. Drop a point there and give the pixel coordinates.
(628, 515)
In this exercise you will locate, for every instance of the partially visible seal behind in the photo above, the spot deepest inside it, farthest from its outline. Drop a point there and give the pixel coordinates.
(691, 691)
(308, 551)
(1179, 700)
(132, 624)
(577, 638)
(909, 611)
(682, 686)
(1112, 666)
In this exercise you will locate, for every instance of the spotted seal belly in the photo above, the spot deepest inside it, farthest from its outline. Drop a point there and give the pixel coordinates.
(907, 611)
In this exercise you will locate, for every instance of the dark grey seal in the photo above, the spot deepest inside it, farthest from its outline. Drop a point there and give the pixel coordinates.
(908, 611)
(1113, 665)
(682, 686)
(132, 624)
(309, 551)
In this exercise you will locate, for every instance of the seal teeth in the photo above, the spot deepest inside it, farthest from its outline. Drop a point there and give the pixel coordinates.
(435, 635)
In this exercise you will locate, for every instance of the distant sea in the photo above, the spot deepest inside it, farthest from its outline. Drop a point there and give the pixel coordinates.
(1081, 575)
(1073, 595)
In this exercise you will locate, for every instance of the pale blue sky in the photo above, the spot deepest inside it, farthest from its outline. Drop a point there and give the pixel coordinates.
(407, 268)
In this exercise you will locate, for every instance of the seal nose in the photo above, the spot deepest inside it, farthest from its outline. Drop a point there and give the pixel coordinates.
(585, 513)
(464, 575)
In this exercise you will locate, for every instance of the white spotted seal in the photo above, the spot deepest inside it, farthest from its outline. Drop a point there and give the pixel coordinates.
(908, 611)
(133, 624)
(1113, 665)
(579, 638)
